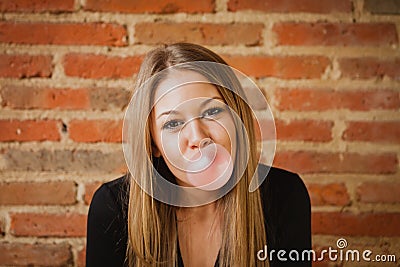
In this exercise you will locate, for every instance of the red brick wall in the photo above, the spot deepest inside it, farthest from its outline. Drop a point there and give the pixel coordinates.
(329, 68)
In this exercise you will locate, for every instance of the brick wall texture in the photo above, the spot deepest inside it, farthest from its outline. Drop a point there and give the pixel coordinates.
(330, 70)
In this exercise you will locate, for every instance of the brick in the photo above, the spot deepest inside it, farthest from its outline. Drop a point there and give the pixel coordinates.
(382, 7)
(25, 66)
(374, 131)
(267, 127)
(38, 193)
(378, 192)
(328, 194)
(81, 260)
(305, 130)
(363, 224)
(36, 5)
(248, 34)
(95, 131)
(364, 68)
(63, 33)
(330, 162)
(101, 66)
(286, 67)
(260, 102)
(24, 97)
(45, 224)
(300, 99)
(70, 161)
(109, 98)
(29, 130)
(152, 6)
(310, 6)
(329, 34)
(22, 254)
(90, 189)
(2, 227)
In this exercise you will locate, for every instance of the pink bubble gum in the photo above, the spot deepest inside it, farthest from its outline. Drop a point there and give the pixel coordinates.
(212, 169)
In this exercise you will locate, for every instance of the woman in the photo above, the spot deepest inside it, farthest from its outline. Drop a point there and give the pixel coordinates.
(187, 115)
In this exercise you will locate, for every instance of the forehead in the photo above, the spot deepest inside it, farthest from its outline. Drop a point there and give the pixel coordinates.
(180, 86)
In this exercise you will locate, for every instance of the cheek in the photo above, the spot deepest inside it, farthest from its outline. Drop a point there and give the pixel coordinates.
(169, 148)
(173, 157)
(223, 132)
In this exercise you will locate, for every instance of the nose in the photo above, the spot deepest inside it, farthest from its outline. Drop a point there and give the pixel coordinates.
(195, 134)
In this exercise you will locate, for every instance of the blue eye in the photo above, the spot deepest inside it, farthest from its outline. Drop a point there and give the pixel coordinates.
(171, 125)
(212, 112)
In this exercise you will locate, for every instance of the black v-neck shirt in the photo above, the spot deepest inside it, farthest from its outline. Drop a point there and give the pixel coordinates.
(286, 206)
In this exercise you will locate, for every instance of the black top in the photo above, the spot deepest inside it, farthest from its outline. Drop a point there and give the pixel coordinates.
(286, 206)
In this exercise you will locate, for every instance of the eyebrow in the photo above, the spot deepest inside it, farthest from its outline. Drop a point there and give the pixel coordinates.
(205, 102)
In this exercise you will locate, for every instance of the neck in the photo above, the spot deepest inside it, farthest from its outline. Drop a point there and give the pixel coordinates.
(194, 196)
(201, 213)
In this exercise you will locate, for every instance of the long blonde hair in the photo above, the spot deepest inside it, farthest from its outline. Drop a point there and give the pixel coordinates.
(152, 225)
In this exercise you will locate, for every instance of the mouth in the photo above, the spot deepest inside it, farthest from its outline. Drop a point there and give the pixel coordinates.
(212, 170)
(202, 158)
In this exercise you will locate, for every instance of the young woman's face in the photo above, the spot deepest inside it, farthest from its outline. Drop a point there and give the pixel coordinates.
(188, 117)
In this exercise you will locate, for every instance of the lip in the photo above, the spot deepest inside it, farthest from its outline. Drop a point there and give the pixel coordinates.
(195, 155)
(211, 173)
(203, 158)
(198, 151)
